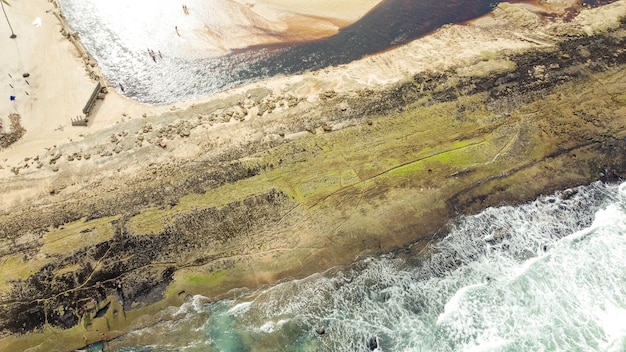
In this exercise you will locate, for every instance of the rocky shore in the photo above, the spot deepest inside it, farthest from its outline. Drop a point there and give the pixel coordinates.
(253, 187)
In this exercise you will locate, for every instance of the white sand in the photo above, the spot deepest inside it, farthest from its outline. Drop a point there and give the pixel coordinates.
(57, 88)
(311, 18)
(59, 85)
(350, 10)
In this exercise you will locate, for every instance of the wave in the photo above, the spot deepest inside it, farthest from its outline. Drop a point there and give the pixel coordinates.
(543, 276)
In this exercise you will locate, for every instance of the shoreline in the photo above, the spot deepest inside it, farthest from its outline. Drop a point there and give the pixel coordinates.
(305, 86)
(255, 176)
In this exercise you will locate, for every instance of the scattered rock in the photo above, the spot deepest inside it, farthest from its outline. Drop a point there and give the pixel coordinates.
(267, 105)
(184, 131)
(320, 330)
(372, 343)
(292, 101)
(310, 128)
(55, 157)
(328, 94)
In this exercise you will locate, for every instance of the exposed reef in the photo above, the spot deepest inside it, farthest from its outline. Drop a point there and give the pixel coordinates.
(352, 174)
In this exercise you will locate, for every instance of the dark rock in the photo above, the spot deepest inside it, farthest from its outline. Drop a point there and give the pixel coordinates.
(320, 330)
(372, 343)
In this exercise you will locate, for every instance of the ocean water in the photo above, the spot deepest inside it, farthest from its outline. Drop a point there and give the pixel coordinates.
(548, 275)
(118, 34)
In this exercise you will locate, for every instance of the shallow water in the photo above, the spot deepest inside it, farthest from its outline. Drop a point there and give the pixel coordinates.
(545, 276)
(119, 33)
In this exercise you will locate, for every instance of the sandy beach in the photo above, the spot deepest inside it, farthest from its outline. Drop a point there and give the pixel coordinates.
(61, 80)
(58, 85)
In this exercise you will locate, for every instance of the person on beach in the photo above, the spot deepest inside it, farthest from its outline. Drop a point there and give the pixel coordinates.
(120, 291)
(176, 28)
(101, 291)
(82, 310)
(185, 10)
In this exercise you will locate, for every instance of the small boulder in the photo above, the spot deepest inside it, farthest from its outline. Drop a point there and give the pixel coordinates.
(372, 343)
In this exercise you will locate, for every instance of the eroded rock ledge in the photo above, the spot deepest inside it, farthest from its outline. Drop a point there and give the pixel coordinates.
(358, 173)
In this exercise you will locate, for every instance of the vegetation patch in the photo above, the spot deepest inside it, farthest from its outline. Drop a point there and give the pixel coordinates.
(76, 235)
(190, 281)
(17, 267)
(16, 132)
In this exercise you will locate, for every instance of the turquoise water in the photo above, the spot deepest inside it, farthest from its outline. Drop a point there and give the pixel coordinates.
(549, 275)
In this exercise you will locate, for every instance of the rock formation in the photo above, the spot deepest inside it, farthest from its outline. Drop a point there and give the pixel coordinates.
(310, 185)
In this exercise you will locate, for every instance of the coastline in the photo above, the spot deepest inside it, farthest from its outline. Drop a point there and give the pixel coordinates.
(309, 110)
(433, 52)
